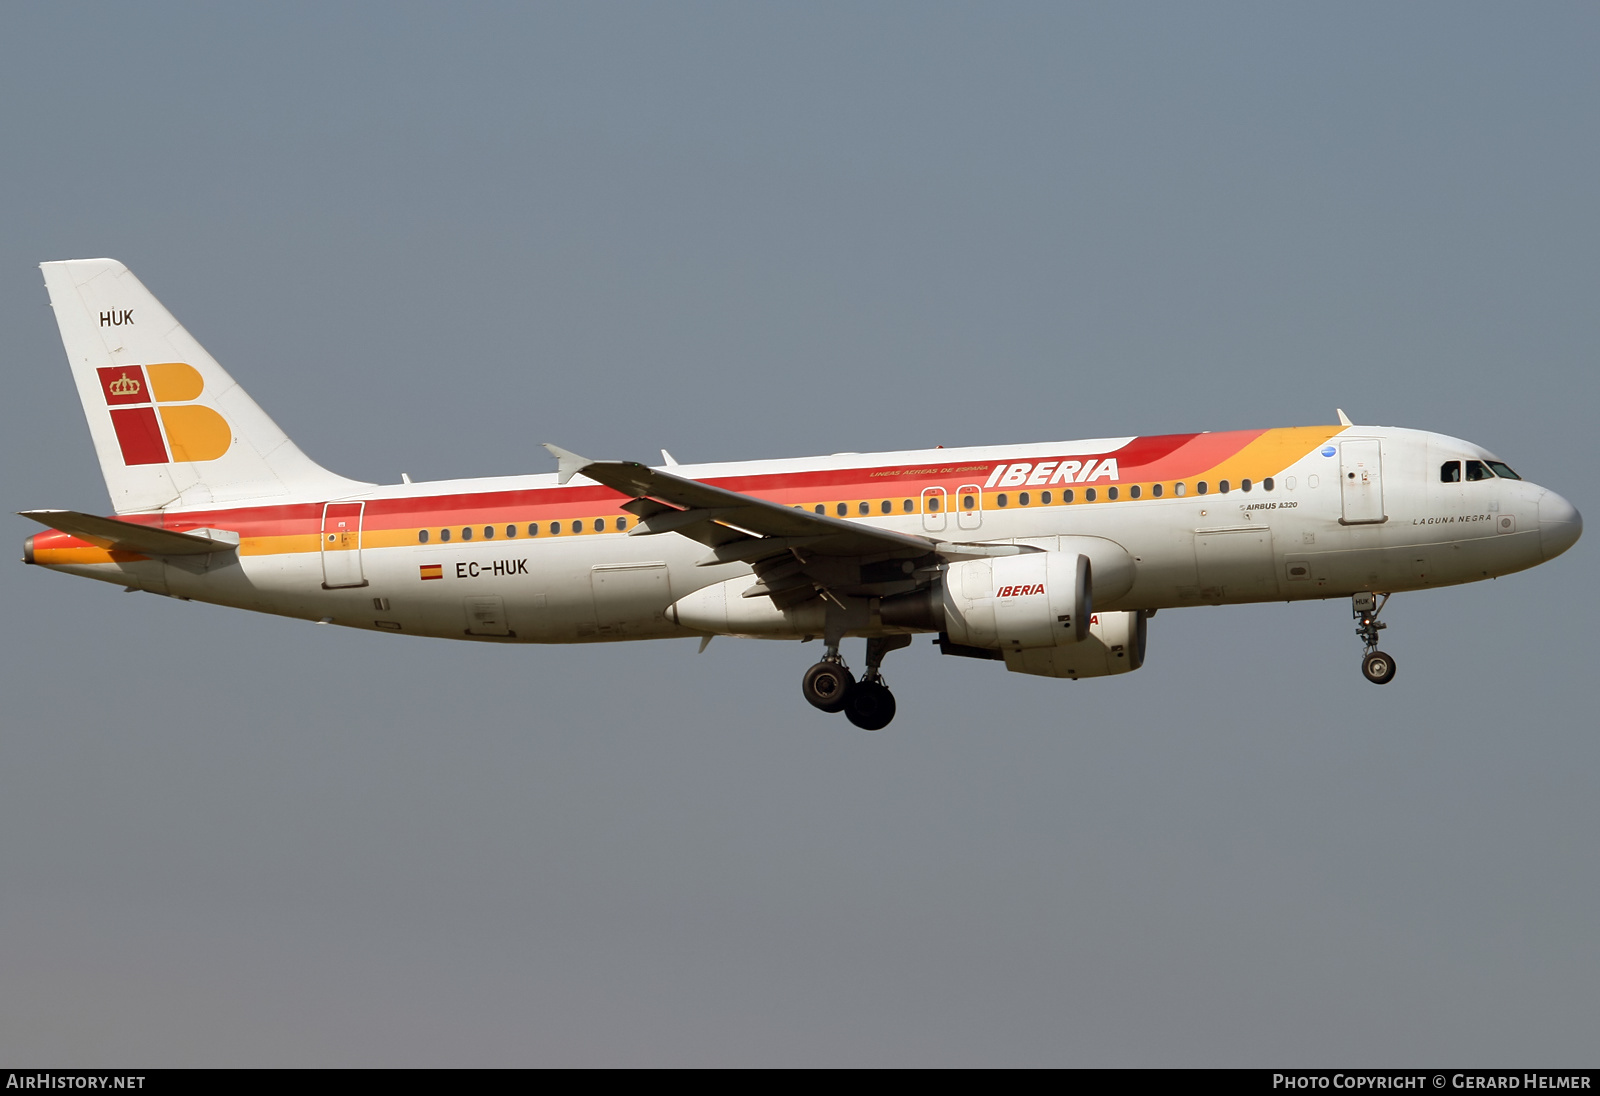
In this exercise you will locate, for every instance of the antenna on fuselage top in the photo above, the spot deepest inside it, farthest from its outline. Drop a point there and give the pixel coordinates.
(1344, 420)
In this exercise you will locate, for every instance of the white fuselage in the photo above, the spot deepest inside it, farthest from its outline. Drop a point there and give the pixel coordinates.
(1317, 533)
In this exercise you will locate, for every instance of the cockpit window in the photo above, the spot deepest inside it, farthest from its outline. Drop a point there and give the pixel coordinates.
(1450, 472)
(1477, 470)
(1502, 471)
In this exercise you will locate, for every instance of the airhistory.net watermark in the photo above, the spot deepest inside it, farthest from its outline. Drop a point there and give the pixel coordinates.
(49, 1080)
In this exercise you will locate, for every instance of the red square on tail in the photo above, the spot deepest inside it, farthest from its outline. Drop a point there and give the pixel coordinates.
(124, 384)
(139, 436)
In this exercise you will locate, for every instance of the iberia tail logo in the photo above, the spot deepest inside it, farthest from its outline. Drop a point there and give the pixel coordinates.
(154, 415)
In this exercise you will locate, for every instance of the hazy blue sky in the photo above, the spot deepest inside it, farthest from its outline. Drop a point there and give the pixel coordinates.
(427, 238)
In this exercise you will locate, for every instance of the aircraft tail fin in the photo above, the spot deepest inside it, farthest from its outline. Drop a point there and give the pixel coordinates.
(170, 427)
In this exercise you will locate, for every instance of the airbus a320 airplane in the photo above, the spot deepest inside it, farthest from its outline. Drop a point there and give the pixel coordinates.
(1050, 558)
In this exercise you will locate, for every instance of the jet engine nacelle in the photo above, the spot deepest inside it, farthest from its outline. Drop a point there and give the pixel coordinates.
(1017, 603)
(1115, 646)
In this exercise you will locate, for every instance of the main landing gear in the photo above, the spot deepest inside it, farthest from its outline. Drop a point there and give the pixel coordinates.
(830, 687)
(1377, 666)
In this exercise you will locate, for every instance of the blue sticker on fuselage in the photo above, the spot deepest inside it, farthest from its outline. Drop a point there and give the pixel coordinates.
(1328, 450)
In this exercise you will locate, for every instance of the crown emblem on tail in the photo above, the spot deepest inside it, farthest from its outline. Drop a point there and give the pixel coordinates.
(124, 386)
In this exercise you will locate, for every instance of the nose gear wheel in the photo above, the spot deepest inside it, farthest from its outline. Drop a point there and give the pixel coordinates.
(1378, 667)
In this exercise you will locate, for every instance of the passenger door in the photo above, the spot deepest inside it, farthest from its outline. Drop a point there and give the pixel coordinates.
(1361, 481)
(341, 545)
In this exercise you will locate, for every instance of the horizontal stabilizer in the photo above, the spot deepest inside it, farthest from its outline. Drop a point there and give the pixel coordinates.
(125, 536)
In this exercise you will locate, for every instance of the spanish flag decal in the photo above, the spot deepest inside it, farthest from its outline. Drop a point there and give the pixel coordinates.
(432, 570)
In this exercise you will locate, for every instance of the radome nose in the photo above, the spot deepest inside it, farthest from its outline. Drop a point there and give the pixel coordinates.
(1560, 524)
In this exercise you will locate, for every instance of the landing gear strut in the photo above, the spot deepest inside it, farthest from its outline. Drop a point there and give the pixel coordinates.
(1365, 607)
(867, 703)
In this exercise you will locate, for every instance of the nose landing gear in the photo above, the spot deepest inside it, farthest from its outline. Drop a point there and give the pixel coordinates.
(830, 687)
(1365, 607)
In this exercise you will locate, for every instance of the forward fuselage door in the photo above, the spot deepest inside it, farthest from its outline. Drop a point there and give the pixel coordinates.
(341, 545)
(1361, 480)
(933, 519)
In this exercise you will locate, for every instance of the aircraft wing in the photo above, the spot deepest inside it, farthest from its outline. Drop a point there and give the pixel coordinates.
(701, 503)
(781, 542)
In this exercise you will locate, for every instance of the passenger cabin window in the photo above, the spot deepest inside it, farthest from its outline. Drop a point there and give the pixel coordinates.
(842, 509)
(1022, 498)
(1155, 490)
(622, 523)
(466, 534)
(1477, 470)
(1044, 498)
(1200, 488)
(422, 536)
(444, 534)
(488, 532)
(821, 509)
(1111, 493)
(865, 507)
(577, 526)
(533, 529)
(1001, 499)
(1450, 472)
(886, 506)
(599, 525)
(511, 530)
(1180, 489)
(1133, 492)
(907, 506)
(555, 528)
(1088, 494)
(1266, 484)
(1223, 487)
